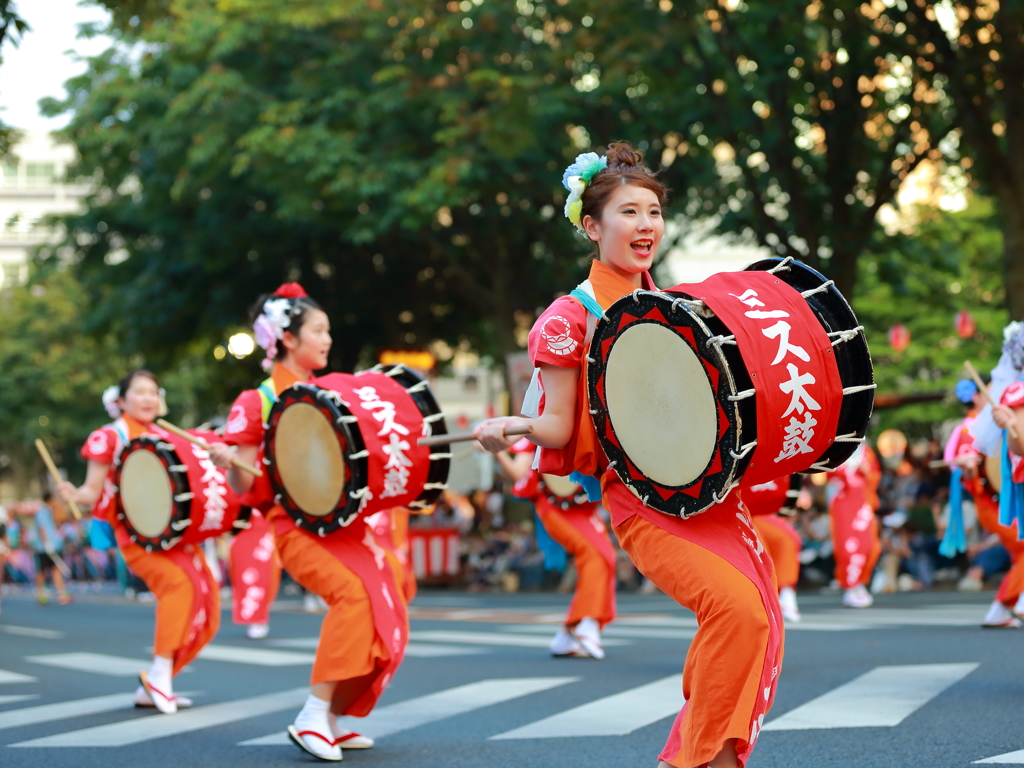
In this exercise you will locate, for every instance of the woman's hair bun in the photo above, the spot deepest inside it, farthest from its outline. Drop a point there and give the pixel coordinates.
(621, 154)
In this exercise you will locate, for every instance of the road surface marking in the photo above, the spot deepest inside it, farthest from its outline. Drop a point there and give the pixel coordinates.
(492, 638)
(438, 706)
(45, 634)
(263, 657)
(158, 726)
(615, 715)
(415, 650)
(16, 677)
(98, 663)
(65, 709)
(22, 697)
(883, 697)
(1010, 758)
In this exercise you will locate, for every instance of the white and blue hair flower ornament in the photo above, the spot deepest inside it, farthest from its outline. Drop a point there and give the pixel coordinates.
(575, 179)
(1013, 344)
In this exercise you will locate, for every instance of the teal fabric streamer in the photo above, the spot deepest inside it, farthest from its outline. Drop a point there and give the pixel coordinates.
(589, 302)
(554, 554)
(1011, 496)
(590, 484)
(955, 539)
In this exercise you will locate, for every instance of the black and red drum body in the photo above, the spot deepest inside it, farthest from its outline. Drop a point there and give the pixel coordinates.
(169, 493)
(748, 376)
(345, 445)
(561, 492)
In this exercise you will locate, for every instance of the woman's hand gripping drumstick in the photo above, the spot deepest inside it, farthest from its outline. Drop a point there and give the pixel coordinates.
(57, 479)
(1003, 416)
(234, 461)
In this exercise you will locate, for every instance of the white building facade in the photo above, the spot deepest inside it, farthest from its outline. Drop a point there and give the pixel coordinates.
(31, 191)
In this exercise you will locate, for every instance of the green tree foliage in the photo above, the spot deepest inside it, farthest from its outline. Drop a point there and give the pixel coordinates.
(949, 263)
(12, 29)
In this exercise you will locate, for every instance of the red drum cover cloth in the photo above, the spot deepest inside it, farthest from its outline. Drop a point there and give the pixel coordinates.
(794, 372)
(214, 507)
(765, 498)
(390, 424)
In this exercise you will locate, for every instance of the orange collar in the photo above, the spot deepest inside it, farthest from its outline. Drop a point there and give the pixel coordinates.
(282, 378)
(136, 428)
(609, 286)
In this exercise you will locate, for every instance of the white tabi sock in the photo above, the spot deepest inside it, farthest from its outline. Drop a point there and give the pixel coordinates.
(160, 676)
(314, 716)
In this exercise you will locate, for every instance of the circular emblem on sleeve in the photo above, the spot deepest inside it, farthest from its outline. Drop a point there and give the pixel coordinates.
(1014, 394)
(557, 334)
(236, 420)
(98, 443)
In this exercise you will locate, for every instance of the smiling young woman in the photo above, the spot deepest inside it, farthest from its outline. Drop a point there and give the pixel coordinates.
(707, 562)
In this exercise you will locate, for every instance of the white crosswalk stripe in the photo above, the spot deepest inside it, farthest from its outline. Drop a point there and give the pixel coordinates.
(885, 696)
(1009, 758)
(66, 709)
(15, 677)
(263, 657)
(146, 728)
(439, 706)
(98, 663)
(45, 634)
(16, 698)
(491, 638)
(616, 715)
(412, 650)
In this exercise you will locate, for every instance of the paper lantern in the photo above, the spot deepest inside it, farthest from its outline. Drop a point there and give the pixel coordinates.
(899, 337)
(965, 324)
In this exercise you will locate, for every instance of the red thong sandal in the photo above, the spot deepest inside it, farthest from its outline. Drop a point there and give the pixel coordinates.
(332, 756)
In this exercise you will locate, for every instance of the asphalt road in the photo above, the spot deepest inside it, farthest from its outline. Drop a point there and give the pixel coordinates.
(911, 682)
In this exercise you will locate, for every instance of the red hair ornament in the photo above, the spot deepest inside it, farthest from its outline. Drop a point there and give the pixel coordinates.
(291, 291)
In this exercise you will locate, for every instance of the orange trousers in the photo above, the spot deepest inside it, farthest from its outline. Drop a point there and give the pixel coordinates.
(595, 576)
(722, 674)
(782, 548)
(349, 646)
(175, 601)
(988, 515)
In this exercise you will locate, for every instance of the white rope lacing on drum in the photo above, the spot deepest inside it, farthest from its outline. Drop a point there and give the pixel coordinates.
(694, 305)
(417, 387)
(435, 486)
(346, 420)
(334, 397)
(437, 456)
(180, 525)
(636, 295)
(418, 505)
(168, 544)
(743, 451)
(718, 500)
(399, 368)
(823, 287)
(376, 369)
(593, 412)
(841, 336)
(742, 395)
(361, 455)
(432, 419)
(165, 446)
(185, 497)
(591, 360)
(177, 468)
(820, 467)
(855, 390)
(781, 266)
(612, 464)
(361, 493)
(720, 341)
(850, 438)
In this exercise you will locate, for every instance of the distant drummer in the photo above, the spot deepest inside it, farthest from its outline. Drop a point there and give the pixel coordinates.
(354, 661)
(188, 601)
(574, 523)
(710, 563)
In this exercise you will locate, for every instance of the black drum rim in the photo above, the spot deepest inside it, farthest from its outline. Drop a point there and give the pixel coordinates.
(563, 503)
(433, 416)
(715, 486)
(852, 356)
(181, 494)
(330, 404)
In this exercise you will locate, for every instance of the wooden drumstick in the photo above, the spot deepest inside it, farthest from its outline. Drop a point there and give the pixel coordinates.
(461, 437)
(202, 444)
(984, 390)
(48, 461)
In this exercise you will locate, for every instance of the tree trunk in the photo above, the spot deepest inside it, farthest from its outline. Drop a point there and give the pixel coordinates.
(1013, 255)
(843, 268)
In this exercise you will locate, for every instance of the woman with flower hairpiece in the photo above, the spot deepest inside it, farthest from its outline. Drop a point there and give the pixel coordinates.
(706, 562)
(353, 662)
(188, 602)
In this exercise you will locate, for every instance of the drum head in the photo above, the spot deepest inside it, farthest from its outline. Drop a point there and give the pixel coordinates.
(309, 459)
(661, 404)
(994, 471)
(145, 491)
(560, 486)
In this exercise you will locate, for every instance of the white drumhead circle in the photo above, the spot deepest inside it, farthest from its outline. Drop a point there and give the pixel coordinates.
(661, 404)
(560, 486)
(309, 459)
(145, 490)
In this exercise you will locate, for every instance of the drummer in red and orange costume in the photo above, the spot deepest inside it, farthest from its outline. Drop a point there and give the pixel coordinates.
(188, 601)
(853, 498)
(709, 563)
(581, 532)
(354, 660)
(780, 538)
